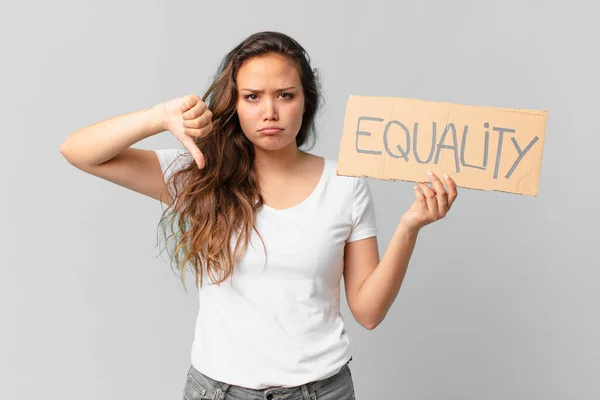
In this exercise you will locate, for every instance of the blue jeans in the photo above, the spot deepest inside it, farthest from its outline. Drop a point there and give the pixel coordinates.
(337, 387)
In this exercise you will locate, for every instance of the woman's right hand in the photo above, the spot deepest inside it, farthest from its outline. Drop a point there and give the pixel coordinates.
(187, 118)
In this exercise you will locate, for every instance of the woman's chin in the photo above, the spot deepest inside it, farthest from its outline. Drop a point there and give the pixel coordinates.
(274, 144)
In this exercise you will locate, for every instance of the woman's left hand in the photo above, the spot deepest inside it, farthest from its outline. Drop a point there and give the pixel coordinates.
(430, 205)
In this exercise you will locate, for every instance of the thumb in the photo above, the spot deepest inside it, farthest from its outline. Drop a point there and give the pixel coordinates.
(189, 144)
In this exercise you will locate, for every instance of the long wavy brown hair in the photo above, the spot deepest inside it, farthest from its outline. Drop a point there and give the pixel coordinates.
(213, 205)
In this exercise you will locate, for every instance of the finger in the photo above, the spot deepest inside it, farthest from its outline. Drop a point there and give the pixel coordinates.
(201, 132)
(198, 122)
(197, 110)
(421, 200)
(189, 144)
(452, 192)
(429, 198)
(189, 102)
(440, 193)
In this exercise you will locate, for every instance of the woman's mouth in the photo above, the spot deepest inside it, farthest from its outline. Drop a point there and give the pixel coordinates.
(270, 131)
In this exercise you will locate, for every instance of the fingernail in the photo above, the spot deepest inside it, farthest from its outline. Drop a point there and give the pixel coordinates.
(429, 173)
(445, 176)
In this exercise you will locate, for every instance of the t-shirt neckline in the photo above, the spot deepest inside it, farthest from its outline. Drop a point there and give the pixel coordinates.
(308, 199)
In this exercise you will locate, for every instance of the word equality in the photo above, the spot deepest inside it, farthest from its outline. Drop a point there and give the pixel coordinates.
(411, 138)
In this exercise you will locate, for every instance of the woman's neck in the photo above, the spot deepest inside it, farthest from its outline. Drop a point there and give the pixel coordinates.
(278, 165)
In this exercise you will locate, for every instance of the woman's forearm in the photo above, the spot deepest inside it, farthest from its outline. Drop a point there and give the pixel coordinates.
(101, 141)
(378, 292)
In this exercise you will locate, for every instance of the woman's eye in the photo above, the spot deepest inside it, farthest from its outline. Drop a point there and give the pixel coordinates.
(253, 96)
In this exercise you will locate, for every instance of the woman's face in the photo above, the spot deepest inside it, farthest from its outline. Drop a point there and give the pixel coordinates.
(270, 95)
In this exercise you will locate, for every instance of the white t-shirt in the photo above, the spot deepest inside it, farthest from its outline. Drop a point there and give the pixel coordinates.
(278, 323)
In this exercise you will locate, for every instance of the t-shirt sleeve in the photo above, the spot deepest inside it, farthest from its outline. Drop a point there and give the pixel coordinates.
(172, 160)
(363, 212)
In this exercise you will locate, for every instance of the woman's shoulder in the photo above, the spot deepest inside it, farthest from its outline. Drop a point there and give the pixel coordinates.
(343, 185)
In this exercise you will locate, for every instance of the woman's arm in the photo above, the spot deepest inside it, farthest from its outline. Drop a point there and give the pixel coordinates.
(104, 148)
(372, 285)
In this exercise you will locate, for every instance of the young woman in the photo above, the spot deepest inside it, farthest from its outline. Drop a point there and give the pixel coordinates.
(267, 228)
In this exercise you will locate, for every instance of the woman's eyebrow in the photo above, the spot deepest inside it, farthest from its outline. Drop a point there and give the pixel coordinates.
(262, 91)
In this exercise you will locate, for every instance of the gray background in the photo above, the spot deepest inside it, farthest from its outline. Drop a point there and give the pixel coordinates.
(500, 300)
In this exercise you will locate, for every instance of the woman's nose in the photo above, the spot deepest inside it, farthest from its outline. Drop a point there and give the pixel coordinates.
(270, 111)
